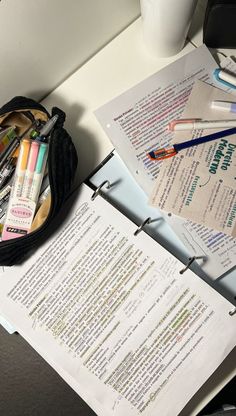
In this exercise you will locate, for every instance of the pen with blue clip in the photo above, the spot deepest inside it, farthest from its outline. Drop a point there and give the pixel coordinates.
(166, 153)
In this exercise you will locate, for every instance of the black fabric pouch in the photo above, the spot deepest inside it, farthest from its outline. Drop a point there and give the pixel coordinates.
(219, 29)
(61, 166)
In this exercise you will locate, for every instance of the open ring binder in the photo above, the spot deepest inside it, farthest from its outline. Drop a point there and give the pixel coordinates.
(97, 191)
(140, 228)
(191, 260)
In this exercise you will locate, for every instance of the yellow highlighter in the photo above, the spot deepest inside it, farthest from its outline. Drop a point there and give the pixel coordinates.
(20, 168)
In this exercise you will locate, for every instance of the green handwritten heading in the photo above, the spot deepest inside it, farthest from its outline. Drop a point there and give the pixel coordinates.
(223, 156)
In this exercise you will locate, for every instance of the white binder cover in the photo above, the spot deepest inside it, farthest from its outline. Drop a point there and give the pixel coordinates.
(110, 311)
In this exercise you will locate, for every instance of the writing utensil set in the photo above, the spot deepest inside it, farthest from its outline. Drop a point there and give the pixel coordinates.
(21, 179)
(191, 124)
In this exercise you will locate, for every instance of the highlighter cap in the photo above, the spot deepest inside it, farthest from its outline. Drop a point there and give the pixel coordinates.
(42, 156)
(224, 105)
(24, 153)
(33, 154)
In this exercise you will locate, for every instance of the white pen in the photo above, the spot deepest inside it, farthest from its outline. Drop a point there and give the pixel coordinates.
(226, 106)
(191, 124)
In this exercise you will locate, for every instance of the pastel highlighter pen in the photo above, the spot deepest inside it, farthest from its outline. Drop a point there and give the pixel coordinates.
(226, 106)
(225, 78)
(39, 172)
(29, 173)
(21, 210)
(20, 168)
(19, 213)
(191, 124)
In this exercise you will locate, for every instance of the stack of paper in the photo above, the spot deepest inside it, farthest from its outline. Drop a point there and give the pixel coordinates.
(199, 183)
(136, 122)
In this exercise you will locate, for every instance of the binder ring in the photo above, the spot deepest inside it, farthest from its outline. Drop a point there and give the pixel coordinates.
(140, 228)
(232, 312)
(97, 191)
(190, 261)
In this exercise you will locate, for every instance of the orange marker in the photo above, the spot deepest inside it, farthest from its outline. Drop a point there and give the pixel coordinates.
(21, 168)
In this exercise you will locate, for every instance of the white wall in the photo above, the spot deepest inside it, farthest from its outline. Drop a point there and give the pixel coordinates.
(44, 41)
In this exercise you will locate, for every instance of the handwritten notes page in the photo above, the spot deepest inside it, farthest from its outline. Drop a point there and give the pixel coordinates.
(113, 315)
(199, 183)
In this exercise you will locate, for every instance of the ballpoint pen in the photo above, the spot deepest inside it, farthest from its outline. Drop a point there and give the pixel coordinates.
(7, 172)
(166, 153)
(46, 129)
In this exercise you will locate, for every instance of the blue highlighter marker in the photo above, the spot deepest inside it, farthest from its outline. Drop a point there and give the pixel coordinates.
(225, 78)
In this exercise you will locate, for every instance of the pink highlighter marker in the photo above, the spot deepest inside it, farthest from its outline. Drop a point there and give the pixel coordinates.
(29, 173)
(182, 123)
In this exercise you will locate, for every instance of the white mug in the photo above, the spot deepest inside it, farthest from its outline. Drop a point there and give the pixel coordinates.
(166, 24)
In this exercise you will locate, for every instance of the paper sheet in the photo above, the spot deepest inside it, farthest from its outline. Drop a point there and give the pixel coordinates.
(199, 183)
(113, 315)
(218, 249)
(149, 107)
(137, 120)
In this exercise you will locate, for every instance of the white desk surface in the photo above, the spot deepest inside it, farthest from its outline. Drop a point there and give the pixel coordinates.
(118, 66)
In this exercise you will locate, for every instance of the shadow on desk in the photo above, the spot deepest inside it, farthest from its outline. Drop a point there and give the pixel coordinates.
(227, 396)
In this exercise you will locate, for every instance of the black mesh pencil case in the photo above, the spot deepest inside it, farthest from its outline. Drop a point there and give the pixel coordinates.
(25, 116)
